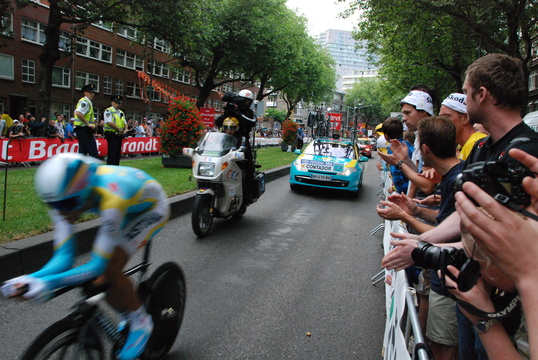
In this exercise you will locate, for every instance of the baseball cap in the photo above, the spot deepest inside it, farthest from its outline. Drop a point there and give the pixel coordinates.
(420, 100)
(379, 128)
(15, 121)
(456, 102)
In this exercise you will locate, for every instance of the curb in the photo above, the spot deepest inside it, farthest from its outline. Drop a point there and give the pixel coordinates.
(30, 254)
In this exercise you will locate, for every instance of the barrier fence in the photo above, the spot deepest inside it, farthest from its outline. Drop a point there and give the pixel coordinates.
(40, 149)
(400, 300)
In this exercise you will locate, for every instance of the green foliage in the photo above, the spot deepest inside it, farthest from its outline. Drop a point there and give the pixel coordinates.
(275, 114)
(183, 128)
(27, 216)
(369, 96)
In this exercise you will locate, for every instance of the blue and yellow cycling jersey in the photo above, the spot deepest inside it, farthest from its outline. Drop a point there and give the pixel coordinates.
(133, 207)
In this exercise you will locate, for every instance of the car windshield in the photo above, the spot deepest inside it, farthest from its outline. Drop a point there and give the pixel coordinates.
(364, 142)
(216, 144)
(332, 149)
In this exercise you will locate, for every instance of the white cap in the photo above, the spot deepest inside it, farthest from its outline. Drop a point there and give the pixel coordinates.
(456, 102)
(420, 100)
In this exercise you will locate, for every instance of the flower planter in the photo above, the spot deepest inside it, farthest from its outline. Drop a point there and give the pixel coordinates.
(285, 147)
(176, 161)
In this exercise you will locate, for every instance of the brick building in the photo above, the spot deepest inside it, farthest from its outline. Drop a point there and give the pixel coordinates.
(105, 56)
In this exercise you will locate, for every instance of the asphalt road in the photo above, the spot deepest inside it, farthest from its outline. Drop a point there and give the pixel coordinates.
(291, 279)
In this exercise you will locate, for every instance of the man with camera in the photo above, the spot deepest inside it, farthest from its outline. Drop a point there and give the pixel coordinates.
(239, 107)
(496, 90)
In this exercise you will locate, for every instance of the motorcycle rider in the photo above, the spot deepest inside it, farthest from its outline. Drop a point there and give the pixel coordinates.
(238, 107)
(230, 125)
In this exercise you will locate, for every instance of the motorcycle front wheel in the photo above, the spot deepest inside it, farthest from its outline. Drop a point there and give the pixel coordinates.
(202, 215)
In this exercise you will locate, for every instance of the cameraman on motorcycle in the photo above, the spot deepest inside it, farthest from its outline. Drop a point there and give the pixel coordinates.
(238, 107)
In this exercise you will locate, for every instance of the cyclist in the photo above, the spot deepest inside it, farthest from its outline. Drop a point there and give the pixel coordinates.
(133, 207)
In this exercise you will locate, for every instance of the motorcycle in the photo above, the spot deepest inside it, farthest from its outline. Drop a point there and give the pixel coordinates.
(217, 168)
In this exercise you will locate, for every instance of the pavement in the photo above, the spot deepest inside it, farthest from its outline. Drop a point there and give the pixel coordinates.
(29, 255)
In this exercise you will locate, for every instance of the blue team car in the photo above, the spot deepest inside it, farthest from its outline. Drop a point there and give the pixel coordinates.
(329, 163)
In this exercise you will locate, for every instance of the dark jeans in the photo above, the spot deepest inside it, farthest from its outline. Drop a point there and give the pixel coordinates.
(470, 346)
(86, 141)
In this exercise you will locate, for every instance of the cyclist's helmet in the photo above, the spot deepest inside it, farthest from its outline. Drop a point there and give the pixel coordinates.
(63, 181)
(230, 123)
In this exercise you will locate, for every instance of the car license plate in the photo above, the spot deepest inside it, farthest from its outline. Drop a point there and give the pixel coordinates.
(321, 177)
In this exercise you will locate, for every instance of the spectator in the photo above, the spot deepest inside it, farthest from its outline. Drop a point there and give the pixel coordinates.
(495, 86)
(480, 128)
(140, 131)
(300, 137)
(393, 129)
(59, 124)
(52, 131)
(508, 239)
(455, 109)
(69, 133)
(149, 129)
(2, 127)
(36, 127)
(18, 130)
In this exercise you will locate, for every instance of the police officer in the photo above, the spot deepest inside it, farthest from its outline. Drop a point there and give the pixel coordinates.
(114, 130)
(85, 122)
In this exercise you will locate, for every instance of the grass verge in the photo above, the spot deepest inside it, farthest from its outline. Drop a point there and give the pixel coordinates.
(27, 216)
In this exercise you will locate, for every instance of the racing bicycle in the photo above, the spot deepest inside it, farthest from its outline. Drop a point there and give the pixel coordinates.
(79, 335)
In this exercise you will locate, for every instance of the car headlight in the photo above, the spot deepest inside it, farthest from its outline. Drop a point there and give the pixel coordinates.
(348, 171)
(206, 169)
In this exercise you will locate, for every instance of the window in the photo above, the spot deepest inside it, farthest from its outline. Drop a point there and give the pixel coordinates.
(7, 24)
(6, 67)
(61, 77)
(152, 94)
(65, 40)
(107, 25)
(160, 69)
(32, 31)
(28, 71)
(533, 80)
(161, 45)
(227, 88)
(182, 76)
(127, 32)
(94, 50)
(119, 87)
(129, 60)
(83, 78)
(107, 85)
(133, 89)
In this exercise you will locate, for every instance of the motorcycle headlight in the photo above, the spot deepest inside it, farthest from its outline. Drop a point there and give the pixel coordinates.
(206, 169)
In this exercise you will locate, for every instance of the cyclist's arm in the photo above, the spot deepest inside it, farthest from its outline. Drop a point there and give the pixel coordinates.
(64, 247)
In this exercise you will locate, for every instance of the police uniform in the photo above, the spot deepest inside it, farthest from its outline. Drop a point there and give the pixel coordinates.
(86, 140)
(113, 136)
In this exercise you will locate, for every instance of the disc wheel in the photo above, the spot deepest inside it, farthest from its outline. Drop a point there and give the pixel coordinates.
(165, 302)
(202, 215)
(63, 340)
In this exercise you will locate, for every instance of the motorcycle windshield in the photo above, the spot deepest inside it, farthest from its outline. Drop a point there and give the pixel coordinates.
(216, 144)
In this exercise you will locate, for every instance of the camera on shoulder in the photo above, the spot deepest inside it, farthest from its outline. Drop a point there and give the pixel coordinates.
(497, 177)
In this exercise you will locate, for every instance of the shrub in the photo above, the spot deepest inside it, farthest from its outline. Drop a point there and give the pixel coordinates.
(183, 128)
(289, 131)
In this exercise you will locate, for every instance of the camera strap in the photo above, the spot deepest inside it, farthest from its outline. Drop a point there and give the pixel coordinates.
(505, 200)
(506, 303)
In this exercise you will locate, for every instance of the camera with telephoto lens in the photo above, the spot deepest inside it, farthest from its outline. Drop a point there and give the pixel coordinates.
(232, 98)
(497, 177)
(436, 258)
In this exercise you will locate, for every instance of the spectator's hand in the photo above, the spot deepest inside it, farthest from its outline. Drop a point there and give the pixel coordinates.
(390, 159)
(405, 202)
(431, 201)
(400, 258)
(431, 175)
(478, 296)
(399, 149)
(508, 239)
(390, 211)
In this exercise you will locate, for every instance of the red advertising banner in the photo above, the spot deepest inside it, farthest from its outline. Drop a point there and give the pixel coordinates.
(39, 149)
(335, 119)
(208, 116)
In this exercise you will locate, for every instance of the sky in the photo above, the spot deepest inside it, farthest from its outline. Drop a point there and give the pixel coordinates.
(322, 15)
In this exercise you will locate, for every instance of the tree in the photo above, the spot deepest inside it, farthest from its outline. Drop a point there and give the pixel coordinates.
(366, 99)
(79, 13)
(433, 41)
(275, 115)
